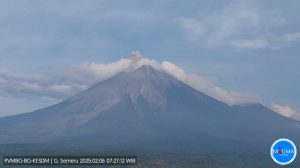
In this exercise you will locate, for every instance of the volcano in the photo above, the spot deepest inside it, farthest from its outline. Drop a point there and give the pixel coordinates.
(147, 108)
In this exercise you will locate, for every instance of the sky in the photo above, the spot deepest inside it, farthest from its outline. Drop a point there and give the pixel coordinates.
(236, 50)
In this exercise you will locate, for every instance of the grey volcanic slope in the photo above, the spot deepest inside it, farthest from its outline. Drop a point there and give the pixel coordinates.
(147, 107)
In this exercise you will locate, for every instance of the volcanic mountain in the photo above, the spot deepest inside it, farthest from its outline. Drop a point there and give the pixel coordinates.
(149, 108)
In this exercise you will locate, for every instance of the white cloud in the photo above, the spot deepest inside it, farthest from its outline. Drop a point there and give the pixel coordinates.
(285, 111)
(290, 37)
(241, 24)
(91, 72)
(20, 84)
(30, 86)
(194, 28)
(250, 44)
(65, 89)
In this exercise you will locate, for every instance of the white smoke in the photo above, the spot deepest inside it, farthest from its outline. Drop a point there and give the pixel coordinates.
(284, 110)
(21, 84)
(92, 72)
(136, 56)
(205, 85)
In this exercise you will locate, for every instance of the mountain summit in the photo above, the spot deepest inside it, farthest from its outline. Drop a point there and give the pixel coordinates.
(148, 107)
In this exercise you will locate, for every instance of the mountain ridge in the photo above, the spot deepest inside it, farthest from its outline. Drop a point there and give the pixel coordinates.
(145, 104)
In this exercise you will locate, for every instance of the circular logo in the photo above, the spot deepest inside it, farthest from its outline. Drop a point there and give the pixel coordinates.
(283, 151)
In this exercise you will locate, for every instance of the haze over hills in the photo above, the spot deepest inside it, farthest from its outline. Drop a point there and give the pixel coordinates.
(149, 109)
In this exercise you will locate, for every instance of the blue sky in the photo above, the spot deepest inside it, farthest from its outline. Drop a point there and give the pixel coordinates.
(251, 47)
